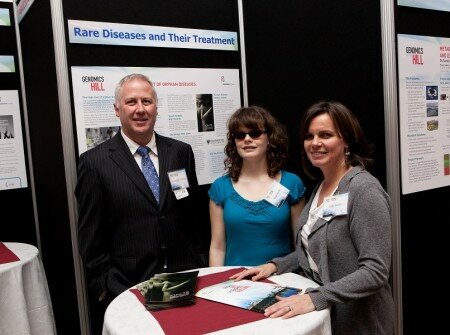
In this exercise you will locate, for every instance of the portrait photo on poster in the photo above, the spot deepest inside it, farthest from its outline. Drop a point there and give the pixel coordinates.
(6, 127)
(205, 112)
(97, 135)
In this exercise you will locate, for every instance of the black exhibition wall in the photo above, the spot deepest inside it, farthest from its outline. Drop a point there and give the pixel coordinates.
(423, 214)
(299, 52)
(48, 134)
(18, 221)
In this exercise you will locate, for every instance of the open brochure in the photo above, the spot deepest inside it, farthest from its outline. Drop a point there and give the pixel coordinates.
(167, 290)
(254, 296)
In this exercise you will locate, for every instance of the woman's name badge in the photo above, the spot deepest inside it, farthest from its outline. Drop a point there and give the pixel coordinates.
(277, 194)
(335, 205)
(179, 183)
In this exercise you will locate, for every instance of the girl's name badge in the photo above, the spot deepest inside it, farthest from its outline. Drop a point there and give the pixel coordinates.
(179, 183)
(277, 194)
(335, 205)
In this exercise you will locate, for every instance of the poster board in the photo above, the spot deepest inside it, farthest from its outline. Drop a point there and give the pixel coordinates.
(12, 157)
(424, 91)
(180, 91)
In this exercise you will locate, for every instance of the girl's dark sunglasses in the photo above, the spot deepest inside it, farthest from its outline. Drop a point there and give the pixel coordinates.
(254, 133)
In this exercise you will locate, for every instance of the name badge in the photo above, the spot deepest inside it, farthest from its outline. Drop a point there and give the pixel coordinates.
(179, 183)
(335, 205)
(277, 194)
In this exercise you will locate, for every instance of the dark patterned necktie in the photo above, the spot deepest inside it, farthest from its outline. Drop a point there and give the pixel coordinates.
(149, 171)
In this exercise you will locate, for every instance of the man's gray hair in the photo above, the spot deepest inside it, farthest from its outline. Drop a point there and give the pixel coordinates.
(131, 77)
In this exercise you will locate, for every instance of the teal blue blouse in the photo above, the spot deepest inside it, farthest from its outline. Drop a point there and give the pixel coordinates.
(256, 231)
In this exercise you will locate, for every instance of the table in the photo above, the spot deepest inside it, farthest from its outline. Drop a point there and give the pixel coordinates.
(25, 305)
(126, 315)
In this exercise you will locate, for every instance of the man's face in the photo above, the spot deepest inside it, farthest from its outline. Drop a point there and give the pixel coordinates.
(137, 110)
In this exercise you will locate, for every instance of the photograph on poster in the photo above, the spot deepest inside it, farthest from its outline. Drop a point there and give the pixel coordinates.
(6, 127)
(432, 92)
(4, 17)
(432, 125)
(205, 112)
(95, 136)
(432, 108)
(7, 64)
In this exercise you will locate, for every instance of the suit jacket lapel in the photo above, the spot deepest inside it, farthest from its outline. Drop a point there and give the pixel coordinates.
(122, 157)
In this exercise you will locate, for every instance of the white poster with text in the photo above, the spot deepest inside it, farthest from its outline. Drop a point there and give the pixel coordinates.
(194, 106)
(12, 157)
(424, 89)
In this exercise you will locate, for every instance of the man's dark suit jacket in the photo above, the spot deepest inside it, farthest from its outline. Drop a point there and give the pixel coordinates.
(124, 236)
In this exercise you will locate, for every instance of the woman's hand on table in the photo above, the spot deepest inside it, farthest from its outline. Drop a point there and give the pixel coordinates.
(290, 306)
(257, 273)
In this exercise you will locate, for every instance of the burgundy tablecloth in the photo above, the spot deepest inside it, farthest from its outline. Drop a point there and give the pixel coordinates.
(205, 316)
(6, 255)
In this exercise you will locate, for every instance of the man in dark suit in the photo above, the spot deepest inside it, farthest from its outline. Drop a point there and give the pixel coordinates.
(125, 235)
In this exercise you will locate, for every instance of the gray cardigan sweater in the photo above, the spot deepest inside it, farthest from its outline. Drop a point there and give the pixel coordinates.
(353, 253)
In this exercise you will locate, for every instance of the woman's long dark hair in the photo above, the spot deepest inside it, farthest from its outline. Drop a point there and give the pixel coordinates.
(349, 130)
(255, 117)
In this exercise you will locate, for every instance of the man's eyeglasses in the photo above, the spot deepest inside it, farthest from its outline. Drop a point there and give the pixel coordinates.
(254, 133)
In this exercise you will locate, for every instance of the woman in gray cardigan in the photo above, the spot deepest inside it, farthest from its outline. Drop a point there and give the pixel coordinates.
(343, 241)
